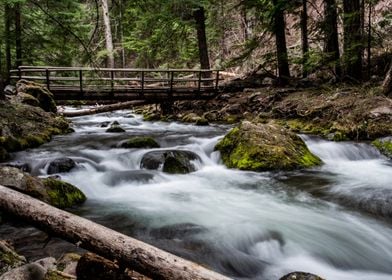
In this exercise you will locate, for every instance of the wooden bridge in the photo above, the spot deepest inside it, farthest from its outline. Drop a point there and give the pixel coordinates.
(80, 83)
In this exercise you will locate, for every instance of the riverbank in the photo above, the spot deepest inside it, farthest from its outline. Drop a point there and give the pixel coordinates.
(342, 113)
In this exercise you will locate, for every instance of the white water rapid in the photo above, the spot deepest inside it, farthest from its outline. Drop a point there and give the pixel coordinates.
(333, 220)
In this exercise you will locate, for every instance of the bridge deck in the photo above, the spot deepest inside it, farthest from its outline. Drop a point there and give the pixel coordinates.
(77, 83)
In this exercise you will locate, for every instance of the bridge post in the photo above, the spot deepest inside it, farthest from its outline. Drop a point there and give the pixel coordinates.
(199, 83)
(111, 83)
(20, 73)
(81, 81)
(47, 78)
(171, 84)
(142, 85)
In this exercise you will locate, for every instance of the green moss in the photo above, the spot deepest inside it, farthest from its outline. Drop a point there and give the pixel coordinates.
(140, 142)
(9, 259)
(63, 194)
(264, 148)
(54, 275)
(201, 122)
(384, 146)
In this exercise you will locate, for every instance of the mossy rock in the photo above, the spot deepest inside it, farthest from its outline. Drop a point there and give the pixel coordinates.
(201, 122)
(260, 147)
(140, 142)
(384, 145)
(4, 155)
(28, 99)
(171, 161)
(115, 129)
(62, 194)
(9, 259)
(42, 94)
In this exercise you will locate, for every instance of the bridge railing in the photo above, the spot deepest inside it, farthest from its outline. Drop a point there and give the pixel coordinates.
(114, 80)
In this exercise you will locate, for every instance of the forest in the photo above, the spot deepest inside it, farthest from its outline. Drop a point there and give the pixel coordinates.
(184, 139)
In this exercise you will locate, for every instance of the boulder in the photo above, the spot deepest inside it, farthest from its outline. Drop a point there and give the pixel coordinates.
(68, 263)
(261, 147)
(301, 276)
(55, 192)
(171, 161)
(9, 259)
(140, 142)
(28, 99)
(384, 145)
(61, 165)
(115, 128)
(42, 94)
(31, 271)
(62, 194)
(10, 90)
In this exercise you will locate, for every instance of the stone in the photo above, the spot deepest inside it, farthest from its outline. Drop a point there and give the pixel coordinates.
(201, 122)
(115, 129)
(55, 192)
(261, 147)
(105, 124)
(61, 165)
(28, 99)
(42, 94)
(9, 259)
(384, 145)
(301, 276)
(171, 161)
(25, 167)
(140, 142)
(62, 194)
(31, 271)
(68, 263)
(48, 263)
(10, 90)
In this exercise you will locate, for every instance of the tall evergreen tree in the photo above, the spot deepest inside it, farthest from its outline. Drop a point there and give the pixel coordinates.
(331, 39)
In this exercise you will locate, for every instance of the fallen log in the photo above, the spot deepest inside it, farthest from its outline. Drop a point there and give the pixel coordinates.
(104, 108)
(127, 251)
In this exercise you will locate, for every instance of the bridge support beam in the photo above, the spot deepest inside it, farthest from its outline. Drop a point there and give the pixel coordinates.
(167, 107)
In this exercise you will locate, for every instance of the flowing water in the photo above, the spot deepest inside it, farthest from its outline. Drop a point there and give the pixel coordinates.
(332, 220)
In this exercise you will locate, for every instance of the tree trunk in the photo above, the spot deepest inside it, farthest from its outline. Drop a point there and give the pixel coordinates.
(108, 33)
(18, 35)
(304, 38)
(387, 84)
(103, 109)
(129, 252)
(199, 17)
(331, 44)
(7, 35)
(279, 27)
(352, 39)
(369, 39)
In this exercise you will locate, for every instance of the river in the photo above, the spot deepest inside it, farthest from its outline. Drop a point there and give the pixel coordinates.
(332, 220)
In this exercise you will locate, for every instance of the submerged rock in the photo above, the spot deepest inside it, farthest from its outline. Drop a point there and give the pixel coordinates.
(117, 177)
(55, 192)
(115, 128)
(384, 145)
(61, 165)
(140, 142)
(9, 259)
(171, 161)
(300, 276)
(91, 265)
(260, 147)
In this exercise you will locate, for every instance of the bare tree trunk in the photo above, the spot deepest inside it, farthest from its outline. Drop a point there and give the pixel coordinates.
(369, 39)
(279, 28)
(331, 47)
(18, 35)
(199, 17)
(108, 33)
(129, 252)
(387, 84)
(304, 38)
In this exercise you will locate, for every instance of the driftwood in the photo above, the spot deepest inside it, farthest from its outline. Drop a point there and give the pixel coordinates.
(104, 108)
(129, 252)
